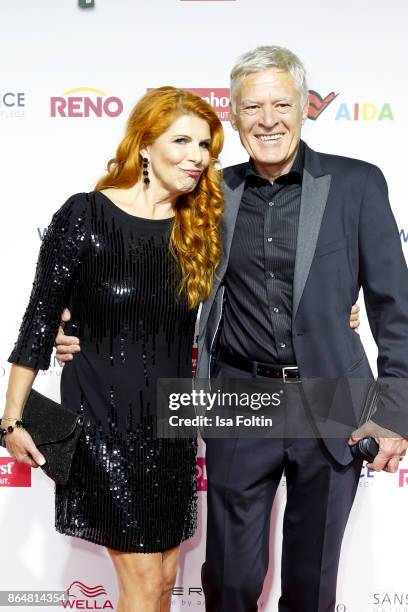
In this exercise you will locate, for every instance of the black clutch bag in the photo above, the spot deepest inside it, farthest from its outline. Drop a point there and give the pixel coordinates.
(367, 448)
(54, 430)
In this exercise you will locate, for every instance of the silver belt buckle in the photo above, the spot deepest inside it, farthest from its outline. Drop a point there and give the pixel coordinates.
(284, 375)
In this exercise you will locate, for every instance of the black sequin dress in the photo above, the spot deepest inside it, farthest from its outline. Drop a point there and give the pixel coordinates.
(128, 490)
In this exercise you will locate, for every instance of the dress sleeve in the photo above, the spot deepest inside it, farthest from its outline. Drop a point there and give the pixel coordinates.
(59, 258)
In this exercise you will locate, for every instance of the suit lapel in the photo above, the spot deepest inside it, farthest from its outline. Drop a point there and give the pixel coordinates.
(315, 190)
(233, 188)
(233, 198)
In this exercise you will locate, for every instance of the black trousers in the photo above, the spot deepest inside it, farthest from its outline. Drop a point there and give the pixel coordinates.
(243, 476)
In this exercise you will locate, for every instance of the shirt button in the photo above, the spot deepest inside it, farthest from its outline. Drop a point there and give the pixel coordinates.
(271, 203)
(282, 344)
(269, 239)
(276, 309)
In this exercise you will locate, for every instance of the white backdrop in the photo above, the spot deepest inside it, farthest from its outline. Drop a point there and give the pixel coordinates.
(358, 50)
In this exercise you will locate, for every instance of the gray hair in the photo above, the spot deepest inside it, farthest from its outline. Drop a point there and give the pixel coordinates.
(263, 58)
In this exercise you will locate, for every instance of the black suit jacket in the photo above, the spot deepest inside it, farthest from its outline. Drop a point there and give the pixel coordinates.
(347, 239)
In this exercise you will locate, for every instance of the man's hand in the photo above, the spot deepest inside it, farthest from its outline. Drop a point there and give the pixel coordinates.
(67, 346)
(392, 446)
(354, 319)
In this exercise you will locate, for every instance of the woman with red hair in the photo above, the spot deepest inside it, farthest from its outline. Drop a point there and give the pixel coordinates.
(132, 260)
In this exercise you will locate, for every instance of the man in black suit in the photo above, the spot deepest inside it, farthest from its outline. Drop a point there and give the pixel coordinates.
(302, 232)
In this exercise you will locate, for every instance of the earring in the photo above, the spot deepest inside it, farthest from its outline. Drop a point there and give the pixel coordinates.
(146, 179)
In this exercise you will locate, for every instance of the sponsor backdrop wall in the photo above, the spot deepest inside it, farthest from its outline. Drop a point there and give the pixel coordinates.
(68, 80)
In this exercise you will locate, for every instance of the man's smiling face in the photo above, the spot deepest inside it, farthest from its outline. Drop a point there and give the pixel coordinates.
(269, 118)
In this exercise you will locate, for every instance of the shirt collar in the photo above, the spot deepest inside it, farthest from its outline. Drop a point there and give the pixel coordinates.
(294, 175)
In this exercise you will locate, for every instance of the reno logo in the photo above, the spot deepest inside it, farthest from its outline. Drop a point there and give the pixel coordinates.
(219, 99)
(96, 103)
(82, 597)
(317, 104)
(13, 474)
(201, 474)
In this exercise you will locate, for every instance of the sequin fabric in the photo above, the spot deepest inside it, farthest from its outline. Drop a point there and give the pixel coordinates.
(128, 490)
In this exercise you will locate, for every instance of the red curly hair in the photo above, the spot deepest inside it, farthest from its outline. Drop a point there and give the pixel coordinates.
(195, 239)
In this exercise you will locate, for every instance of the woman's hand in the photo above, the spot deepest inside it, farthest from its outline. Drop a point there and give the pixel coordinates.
(354, 317)
(21, 446)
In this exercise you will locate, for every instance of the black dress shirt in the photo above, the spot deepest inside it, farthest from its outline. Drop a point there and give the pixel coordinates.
(257, 319)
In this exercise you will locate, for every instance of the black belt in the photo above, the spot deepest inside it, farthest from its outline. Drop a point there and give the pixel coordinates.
(286, 373)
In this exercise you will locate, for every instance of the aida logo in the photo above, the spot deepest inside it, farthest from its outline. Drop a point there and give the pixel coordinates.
(201, 471)
(219, 98)
(364, 111)
(358, 111)
(83, 597)
(317, 104)
(14, 474)
(96, 103)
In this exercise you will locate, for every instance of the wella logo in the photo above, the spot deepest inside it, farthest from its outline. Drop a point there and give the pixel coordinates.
(219, 98)
(201, 471)
(14, 474)
(83, 597)
(99, 104)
